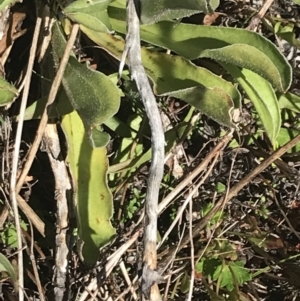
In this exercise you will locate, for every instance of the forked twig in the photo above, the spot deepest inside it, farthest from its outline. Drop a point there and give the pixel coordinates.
(132, 50)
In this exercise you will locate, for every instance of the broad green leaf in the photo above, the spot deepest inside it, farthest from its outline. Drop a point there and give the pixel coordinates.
(286, 135)
(175, 76)
(92, 14)
(159, 10)
(262, 95)
(224, 44)
(6, 267)
(297, 1)
(7, 92)
(62, 106)
(92, 94)
(93, 198)
(243, 56)
(289, 101)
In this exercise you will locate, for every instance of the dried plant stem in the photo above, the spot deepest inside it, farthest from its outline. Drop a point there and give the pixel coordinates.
(13, 186)
(235, 190)
(62, 186)
(133, 51)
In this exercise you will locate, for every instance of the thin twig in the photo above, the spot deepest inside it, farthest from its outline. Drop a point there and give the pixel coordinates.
(13, 189)
(34, 266)
(256, 19)
(52, 94)
(236, 189)
(150, 277)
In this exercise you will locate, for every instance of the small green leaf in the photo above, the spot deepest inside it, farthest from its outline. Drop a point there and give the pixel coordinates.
(185, 283)
(220, 187)
(6, 267)
(92, 94)
(90, 13)
(155, 11)
(262, 95)
(289, 101)
(236, 273)
(286, 135)
(7, 92)
(286, 32)
(93, 198)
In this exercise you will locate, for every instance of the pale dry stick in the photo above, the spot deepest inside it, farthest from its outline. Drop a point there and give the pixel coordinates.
(129, 288)
(34, 266)
(192, 278)
(15, 159)
(62, 186)
(237, 188)
(112, 262)
(187, 201)
(256, 19)
(132, 50)
(31, 215)
(52, 94)
(127, 279)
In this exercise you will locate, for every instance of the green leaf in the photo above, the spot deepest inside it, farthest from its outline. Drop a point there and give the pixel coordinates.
(238, 272)
(286, 32)
(177, 77)
(155, 11)
(185, 283)
(7, 92)
(297, 1)
(231, 274)
(220, 187)
(289, 101)
(6, 267)
(93, 198)
(224, 44)
(92, 14)
(285, 136)
(5, 3)
(262, 95)
(249, 57)
(92, 94)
